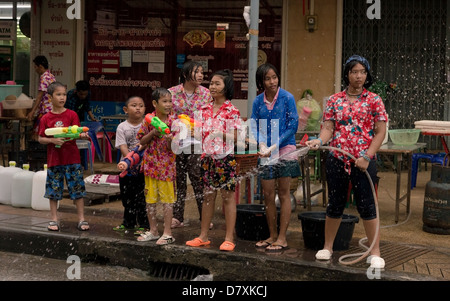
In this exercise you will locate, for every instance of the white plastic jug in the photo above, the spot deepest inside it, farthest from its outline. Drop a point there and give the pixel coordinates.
(38, 201)
(21, 187)
(6, 176)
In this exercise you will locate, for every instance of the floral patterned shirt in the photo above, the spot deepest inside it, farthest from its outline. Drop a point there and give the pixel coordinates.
(183, 105)
(354, 122)
(226, 119)
(45, 80)
(158, 161)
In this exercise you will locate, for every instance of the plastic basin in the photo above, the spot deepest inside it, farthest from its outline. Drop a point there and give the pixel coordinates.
(405, 136)
(251, 222)
(313, 228)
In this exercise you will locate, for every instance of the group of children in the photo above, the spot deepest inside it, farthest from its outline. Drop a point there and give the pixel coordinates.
(354, 120)
(153, 180)
(159, 160)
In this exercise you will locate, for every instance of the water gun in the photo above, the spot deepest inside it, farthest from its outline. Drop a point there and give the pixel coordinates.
(132, 159)
(157, 123)
(188, 121)
(71, 132)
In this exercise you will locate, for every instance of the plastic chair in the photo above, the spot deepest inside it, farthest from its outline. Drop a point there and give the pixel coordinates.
(434, 158)
(94, 128)
(86, 146)
(105, 146)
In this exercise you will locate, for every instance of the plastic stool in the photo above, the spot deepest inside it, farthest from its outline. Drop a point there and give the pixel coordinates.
(86, 146)
(434, 158)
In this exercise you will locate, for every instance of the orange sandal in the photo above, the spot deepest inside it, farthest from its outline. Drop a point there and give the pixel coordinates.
(197, 242)
(227, 246)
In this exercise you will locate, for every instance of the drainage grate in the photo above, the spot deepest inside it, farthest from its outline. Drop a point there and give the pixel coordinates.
(171, 271)
(393, 254)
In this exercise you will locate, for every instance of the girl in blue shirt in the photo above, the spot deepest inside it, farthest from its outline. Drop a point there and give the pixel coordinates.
(274, 124)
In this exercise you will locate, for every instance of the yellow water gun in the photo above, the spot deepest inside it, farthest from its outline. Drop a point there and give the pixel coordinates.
(188, 121)
(71, 132)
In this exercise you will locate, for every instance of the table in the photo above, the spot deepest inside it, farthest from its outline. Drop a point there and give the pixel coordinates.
(16, 127)
(116, 119)
(305, 168)
(398, 151)
(306, 180)
(441, 135)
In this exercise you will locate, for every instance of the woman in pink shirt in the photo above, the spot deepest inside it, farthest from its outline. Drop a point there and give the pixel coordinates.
(188, 98)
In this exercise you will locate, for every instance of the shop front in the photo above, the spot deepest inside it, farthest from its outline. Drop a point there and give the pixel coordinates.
(132, 47)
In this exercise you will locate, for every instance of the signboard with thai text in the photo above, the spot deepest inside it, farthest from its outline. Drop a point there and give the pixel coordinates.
(58, 40)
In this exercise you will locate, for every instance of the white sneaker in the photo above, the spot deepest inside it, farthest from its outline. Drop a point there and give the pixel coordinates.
(323, 255)
(376, 262)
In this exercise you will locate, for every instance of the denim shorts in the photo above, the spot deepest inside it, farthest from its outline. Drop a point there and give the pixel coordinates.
(283, 168)
(338, 181)
(73, 174)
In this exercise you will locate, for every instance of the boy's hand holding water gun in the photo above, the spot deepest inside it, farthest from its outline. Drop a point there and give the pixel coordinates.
(63, 134)
(132, 159)
(158, 124)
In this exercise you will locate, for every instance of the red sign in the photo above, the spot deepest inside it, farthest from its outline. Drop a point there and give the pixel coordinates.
(103, 62)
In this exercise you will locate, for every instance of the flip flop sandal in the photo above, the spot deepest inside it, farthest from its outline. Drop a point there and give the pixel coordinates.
(53, 224)
(227, 246)
(197, 242)
(176, 224)
(262, 244)
(323, 255)
(276, 248)
(141, 231)
(81, 224)
(119, 228)
(147, 236)
(165, 240)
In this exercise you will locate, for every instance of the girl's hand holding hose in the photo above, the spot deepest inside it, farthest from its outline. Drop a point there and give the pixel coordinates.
(314, 144)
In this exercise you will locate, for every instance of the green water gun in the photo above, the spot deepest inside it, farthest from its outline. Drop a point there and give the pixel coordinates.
(157, 123)
(70, 133)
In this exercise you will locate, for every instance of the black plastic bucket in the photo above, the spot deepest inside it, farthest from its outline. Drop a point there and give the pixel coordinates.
(251, 222)
(313, 228)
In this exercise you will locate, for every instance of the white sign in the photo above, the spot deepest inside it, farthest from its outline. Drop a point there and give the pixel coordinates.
(8, 30)
(58, 40)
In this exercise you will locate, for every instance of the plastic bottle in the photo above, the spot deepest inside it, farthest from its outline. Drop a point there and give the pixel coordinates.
(21, 187)
(38, 201)
(303, 118)
(6, 175)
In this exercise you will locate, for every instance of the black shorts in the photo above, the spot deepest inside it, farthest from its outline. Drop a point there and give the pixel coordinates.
(338, 181)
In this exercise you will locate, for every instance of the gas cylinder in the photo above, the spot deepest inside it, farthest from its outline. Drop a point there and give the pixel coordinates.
(436, 206)
(21, 187)
(38, 201)
(6, 175)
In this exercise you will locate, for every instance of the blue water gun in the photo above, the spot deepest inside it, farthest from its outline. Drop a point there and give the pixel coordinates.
(132, 159)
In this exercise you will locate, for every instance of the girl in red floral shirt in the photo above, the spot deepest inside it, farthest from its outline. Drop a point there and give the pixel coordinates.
(354, 121)
(220, 120)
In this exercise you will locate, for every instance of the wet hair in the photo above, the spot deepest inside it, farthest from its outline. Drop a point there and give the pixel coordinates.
(187, 69)
(227, 76)
(160, 92)
(261, 74)
(351, 62)
(82, 85)
(52, 87)
(130, 98)
(41, 60)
